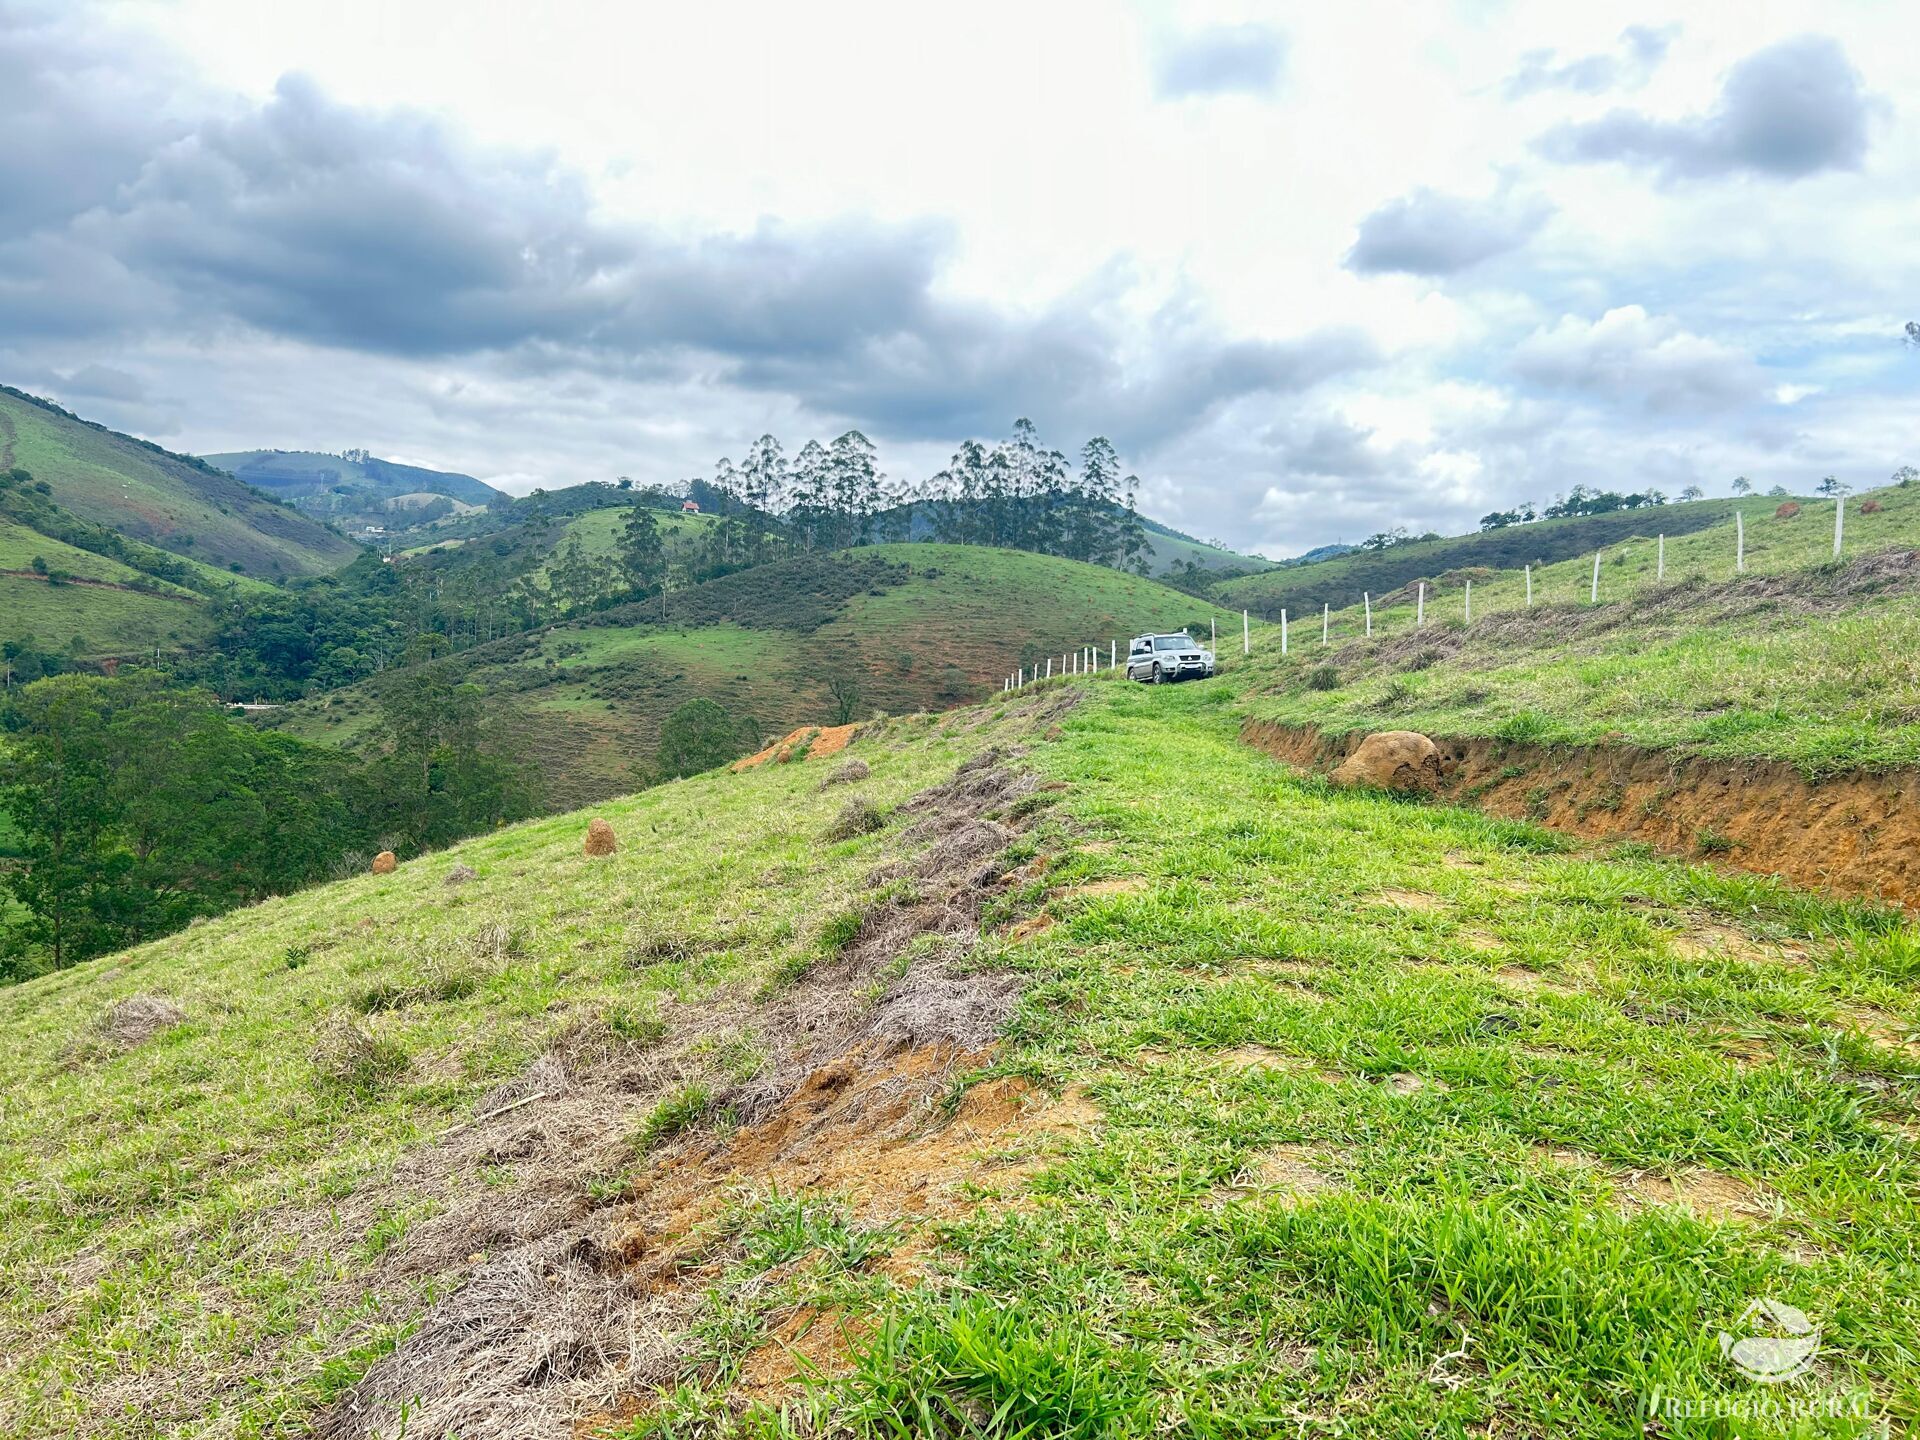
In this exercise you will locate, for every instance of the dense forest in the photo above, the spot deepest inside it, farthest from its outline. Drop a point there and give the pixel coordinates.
(131, 805)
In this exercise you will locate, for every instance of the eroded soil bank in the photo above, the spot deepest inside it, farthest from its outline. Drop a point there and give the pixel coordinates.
(1855, 835)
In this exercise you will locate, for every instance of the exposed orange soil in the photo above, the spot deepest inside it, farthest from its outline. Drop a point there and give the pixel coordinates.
(809, 742)
(1855, 835)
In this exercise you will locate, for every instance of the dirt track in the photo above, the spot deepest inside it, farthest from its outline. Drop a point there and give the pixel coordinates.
(1854, 835)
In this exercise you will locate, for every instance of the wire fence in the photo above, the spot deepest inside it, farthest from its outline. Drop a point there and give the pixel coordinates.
(1088, 659)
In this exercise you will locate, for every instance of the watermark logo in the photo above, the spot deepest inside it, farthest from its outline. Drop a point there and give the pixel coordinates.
(1777, 1343)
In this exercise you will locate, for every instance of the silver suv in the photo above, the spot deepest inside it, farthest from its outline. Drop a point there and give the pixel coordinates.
(1163, 659)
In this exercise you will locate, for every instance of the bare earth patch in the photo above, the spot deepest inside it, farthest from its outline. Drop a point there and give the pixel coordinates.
(1412, 900)
(1706, 1192)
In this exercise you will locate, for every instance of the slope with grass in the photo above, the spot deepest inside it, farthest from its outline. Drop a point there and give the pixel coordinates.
(886, 627)
(1077, 1071)
(175, 502)
(1343, 580)
(1795, 659)
(1768, 717)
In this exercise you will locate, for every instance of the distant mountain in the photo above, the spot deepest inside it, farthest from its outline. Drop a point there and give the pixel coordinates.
(369, 496)
(1319, 553)
(175, 502)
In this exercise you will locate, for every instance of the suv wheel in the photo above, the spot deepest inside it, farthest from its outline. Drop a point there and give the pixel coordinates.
(1158, 678)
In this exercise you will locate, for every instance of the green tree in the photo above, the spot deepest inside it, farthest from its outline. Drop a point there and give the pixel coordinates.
(642, 557)
(697, 737)
(440, 772)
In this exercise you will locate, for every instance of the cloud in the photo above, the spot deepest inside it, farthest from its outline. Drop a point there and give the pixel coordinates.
(1642, 48)
(1330, 446)
(1644, 361)
(1224, 60)
(306, 220)
(1430, 233)
(1791, 110)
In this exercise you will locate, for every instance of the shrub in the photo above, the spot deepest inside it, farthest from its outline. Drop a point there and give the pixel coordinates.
(1788, 509)
(1323, 677)
(1711, 842)
(1870, 507)
(352, 1058)
(859, 816)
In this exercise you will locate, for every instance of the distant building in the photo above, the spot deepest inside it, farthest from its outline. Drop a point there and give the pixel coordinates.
(690, 507)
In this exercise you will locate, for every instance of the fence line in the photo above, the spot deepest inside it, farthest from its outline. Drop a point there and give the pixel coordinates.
(1085, 660)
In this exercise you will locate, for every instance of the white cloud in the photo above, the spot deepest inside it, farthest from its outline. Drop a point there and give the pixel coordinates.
(752, 216)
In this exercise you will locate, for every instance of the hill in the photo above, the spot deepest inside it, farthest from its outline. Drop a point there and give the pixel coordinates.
(1301, 588)
(893, 627)
(72, 589)
(174, 502)
(1167, 548)
(977, 1087)
(358, 491)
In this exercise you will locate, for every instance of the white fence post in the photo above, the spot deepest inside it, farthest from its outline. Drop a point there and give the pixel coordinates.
(1366, 598)
(1049, 667)
(1839, 520)
(1469, 602)
(1660, 566)
(1529, 587)
(1593, 595)
(1739, 541)
(1283, 632)
(1213, 632)
(1326, 613)
(1110, 653)
(1246, 635)
(1420, 607)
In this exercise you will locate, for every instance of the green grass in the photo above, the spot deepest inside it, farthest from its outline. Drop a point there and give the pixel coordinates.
(1386, 1092)
(1789, 671)
(149, 495)
(113, 622)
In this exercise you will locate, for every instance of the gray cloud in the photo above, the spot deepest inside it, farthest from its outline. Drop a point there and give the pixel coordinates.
(1329, 446)
(1224, 60)
(1788, 111)
(1429, 233)
(1649, 362)
(385, 233)
(1642, 48)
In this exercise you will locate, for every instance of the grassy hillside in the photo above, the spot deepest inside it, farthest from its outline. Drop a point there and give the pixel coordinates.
(1079, 1068)
(1345, 579)
(916, 626)
(99, 601)
(1795, 659)
(172, 501)
(1170, 548)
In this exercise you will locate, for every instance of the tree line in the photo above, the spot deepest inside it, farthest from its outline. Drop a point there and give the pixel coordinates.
(132, 805)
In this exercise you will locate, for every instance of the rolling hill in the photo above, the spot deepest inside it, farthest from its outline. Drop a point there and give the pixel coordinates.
(1167, 548)
(912, 626)
(359, 491)
(174, 502)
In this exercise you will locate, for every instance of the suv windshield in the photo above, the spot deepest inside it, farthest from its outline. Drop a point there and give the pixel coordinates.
(1172, 642)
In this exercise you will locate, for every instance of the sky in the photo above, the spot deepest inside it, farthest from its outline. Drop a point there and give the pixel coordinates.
(1317, 270)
